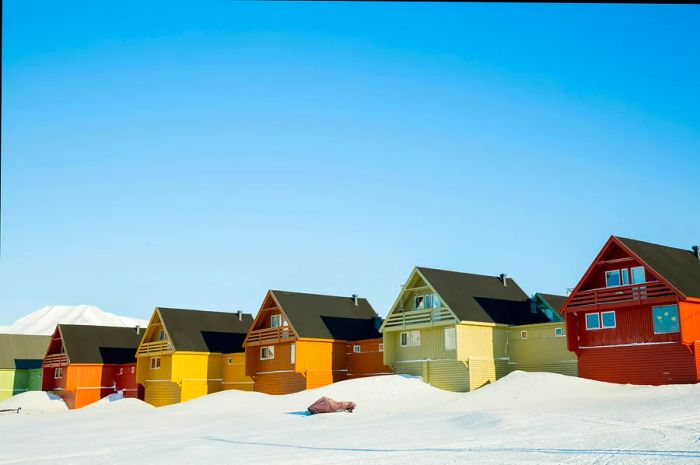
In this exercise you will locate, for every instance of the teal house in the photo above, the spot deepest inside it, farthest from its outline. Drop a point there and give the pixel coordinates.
(20, 363)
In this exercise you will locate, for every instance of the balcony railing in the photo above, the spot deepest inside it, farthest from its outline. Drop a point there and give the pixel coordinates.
(55, 360)
(155, 348)
(270, 335)
(428, 316)
(620, 294)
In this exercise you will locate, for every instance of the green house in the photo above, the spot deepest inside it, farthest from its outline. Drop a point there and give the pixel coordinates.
(20, 363)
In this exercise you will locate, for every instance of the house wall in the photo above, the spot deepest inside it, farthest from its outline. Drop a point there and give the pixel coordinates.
(369, 361)
(689, 313)
(432, 346)
(543, 350)
(233, 372)
(13, 382)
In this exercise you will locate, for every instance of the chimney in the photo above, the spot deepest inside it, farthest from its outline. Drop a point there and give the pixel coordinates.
(239, 314)
(504, 279)
(354, 299)
(138, 329)
(696, 251)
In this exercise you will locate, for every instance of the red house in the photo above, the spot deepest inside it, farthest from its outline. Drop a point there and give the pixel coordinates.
(85, 363)
(635, 315)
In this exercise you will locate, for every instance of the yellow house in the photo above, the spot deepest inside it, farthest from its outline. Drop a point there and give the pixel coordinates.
(451, 328)
(190, 353)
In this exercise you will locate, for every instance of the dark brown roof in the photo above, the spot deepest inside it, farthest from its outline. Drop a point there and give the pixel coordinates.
(677, 266)
(554, 301)
(329, 317)
(206, 331)
(99, 344)
(21, 351)
(475, 297)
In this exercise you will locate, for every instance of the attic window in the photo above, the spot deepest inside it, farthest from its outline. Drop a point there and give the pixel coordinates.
(275, 321)
(426, 301)
(638, 275)
(161, 335)
(612, 278)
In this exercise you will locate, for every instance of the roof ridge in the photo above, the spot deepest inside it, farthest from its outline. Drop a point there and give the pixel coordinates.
(234, 312)
(318, 295)
(653, 243)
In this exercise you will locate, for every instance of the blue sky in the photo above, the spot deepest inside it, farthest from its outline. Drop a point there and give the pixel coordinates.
(197, 154)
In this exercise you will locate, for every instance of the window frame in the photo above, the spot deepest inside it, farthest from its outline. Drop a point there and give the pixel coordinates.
(619, 278)
(155, 363)
(270, 349)
(644, 272)
(161, 335)
(292, 353)
(602, 320)
(559, 329)
(653, 321)
(625, 276)
(229, 360)
(591, 328)
(409, 338)
(356, 349)
(453, 346)
(276, 317)
(381, 347)
(58, 373)
(523, 334)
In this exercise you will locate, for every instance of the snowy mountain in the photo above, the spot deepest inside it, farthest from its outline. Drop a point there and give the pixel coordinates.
(44, 320)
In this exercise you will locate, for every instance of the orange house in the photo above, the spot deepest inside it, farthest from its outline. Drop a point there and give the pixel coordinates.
(86, 363)
(303, 341)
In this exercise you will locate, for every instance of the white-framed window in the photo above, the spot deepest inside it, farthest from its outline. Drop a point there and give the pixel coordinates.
(592, 321)
(608, 320)
(665, 319)
(58, 373)
(381, 347)
(229, 361)
(161, 335)
(292, 353)
(638, 275)
(558, 332)
(450, 339)
(523, 334)
(275, 321)
(612, 278)
(625, 276)
(155, 363)
(410, 338)
(357, 348)
(267, 352)
(426, 301)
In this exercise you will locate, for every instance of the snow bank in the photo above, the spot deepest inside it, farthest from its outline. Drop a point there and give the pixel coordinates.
(44, 320)
(34, 402)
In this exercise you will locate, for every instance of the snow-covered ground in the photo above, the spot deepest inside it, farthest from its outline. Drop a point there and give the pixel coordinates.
(44, 320)
(525, 418)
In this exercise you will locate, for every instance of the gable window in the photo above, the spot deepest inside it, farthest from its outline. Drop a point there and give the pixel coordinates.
(638, 275)
(450, 339)
(58, 373)
(275, 321)
(665, 319)
(592, 321)
(608, 319)
(612, 278)
(292, 353)
(155, 363)
(410, 338)
(558, 332)
(267, 353)
(625, 276)
(426, 301)
(161, 335)
(357, 349)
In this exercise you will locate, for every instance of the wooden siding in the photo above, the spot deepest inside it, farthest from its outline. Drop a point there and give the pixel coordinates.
(161, 393)
(481, 340)
(483, 371)
(450, 375)
(83, 384)
(689, 314)
(233, 373)
(368, 362)
(543, 350)
(13, 382)
(432, 346)
(280, 383)
(665, 363)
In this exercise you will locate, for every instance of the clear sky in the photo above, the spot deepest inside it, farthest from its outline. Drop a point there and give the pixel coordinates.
(197, 154)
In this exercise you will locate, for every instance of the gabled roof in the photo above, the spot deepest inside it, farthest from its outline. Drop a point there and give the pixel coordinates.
(554, 301)
(21, 351)
(677, 266)
(99, 344)
(329, 317)
(480, 298)
(205, 331)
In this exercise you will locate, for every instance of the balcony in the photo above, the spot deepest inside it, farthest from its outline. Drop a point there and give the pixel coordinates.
(614, 296)
(155, 348)
(55, 360)
(270, 336)
(423, 318)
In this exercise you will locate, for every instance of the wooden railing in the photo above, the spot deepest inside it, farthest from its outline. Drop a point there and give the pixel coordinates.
(428, 316)
(620, 294)
(55, 360)
(270, 335)
(155, 348)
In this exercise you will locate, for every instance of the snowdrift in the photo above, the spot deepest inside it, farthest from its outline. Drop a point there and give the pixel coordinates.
(35, 402)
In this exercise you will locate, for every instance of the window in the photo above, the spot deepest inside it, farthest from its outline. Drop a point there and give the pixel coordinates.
(381, 347)
(410, 338)
(133, 369)
(58, 373)
(357, 349)
(592, 321)
(161, 335)
(665, 319)
(558, 332)
(275, 321)
(419, 302)
(121, 371)
(625, 276)
(230, 361)
(426, 301)
(638, 275)
(612, 278)
(523, 334)
(267, 353)
(450, 339)
(155, 363)
(292, 353)
(608, 319)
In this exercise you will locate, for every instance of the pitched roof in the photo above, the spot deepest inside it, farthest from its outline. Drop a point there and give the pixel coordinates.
(677, 266)
(554, 301)
(475, 297)
(329, 317)
(99, 344)
(205, 331)
(21, 351)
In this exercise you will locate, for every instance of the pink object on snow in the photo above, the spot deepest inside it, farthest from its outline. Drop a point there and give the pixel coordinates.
(328, 405)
